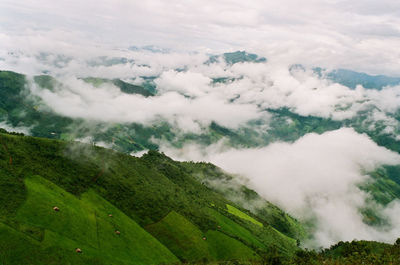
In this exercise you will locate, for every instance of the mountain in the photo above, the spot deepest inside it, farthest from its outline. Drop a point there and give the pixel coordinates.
(20, 109)
(73, 203)
(237, 57)
(351, 78)
(183, 211)
(58, 196)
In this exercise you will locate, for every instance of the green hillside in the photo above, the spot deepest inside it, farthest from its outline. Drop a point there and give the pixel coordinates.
(224, 247)
(189, 243)
(88, 183)
(242, 215)
(181, 236)
(265, 212)
(83, 223)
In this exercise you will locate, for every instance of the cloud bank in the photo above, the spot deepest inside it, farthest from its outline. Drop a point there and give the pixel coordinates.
(357, 34)
(316, 177)
(188, 98)
(107, 103)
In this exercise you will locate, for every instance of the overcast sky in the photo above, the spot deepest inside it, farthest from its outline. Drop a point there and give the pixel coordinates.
(359, 34)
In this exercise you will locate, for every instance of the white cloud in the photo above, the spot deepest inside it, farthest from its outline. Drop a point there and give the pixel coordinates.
(316, 176)
(188, 83)
(388, 99)
(190, 100)
(78, 99)
(139, 153)
(8, 127)
(357, 34)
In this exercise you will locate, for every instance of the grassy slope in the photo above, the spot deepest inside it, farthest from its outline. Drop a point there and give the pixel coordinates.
(85, 223)
(142, 190)
(260, 236)
(188, 243)
(181, 237)
(242, 215)
(17, 248)
(224, 247)
(232, 228)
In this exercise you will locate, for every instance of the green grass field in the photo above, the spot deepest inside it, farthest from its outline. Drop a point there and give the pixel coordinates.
(242, 215)
(189, 243)
(224, 247)
(85, 223)
(182, 237)
(230, 227)
(260, 237)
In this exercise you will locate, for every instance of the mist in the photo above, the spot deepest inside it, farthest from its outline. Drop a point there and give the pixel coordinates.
(317, 177)
(190, 100)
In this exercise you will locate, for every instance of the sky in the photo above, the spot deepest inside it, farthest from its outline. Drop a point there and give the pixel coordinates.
(363, 35)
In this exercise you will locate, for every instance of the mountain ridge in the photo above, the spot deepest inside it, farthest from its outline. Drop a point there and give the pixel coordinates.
(69, 183)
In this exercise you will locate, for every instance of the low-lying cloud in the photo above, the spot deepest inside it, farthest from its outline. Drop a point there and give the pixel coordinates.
(318, 176)
(107, 103)
(17, 129)
(188, 98)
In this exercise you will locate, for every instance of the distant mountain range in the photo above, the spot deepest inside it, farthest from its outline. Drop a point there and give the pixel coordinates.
(352, 79)
(77, 203)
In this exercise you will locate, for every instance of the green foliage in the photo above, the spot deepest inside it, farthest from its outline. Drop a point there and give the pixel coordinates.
(46, 81)
(188, 243)
(13, 186)
(237, 57)
(88, 182)
(230, 227)
(343, 253)
(124, 86)
(82, 223)
(242, 215)
(359, 252)
(183, 238)
(16, 248)
(224, 247)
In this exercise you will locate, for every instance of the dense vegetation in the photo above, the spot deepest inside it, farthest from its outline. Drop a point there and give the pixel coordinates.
(153, 193)
(99, 192)
(343, 253)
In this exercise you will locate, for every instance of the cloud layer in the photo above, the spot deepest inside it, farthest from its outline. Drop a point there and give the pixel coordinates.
(358, 34)
(318, 176)
(190, 99)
